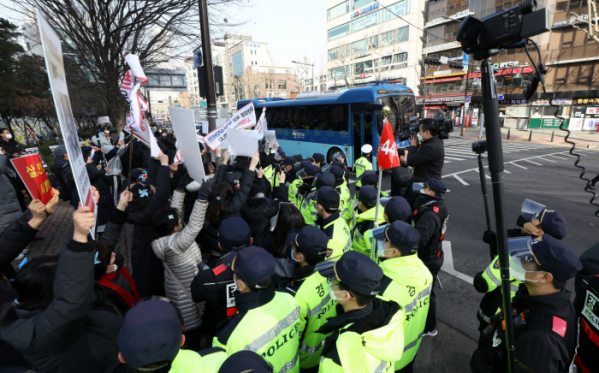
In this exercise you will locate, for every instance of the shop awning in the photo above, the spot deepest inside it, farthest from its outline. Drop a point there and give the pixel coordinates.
(442, 80)
(513, 71)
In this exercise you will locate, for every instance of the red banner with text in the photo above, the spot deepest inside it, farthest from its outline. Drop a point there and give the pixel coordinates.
(388, 157)
(31, 171)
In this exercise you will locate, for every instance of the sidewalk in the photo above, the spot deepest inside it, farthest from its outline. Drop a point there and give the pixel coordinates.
(581, 139)
(56, 228)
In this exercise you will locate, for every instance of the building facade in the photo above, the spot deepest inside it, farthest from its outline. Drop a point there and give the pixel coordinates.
(258, 81)
(368, 41)
(570, 55)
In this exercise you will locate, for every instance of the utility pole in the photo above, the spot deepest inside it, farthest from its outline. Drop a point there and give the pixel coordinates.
(207, 52)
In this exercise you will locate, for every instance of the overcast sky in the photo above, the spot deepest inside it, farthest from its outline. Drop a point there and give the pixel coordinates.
(292, 28)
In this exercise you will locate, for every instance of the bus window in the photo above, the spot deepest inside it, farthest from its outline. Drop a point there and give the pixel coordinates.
(402, 108)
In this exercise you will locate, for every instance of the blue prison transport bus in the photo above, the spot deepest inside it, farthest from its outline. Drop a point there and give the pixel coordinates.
(336, 121)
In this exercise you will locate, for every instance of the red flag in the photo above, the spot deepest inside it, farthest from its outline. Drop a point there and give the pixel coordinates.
(32, 172)
(388, 157)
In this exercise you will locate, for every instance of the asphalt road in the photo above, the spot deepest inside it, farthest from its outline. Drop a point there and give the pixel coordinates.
(541, 172)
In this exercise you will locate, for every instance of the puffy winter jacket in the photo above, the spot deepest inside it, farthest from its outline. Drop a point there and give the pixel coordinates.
(10, 210)
(114, 164)
(180, 252)
(70, 333)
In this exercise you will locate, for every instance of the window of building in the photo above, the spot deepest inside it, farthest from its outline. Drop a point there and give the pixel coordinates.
(517, 111)
(282, 84)
(337, 73)
(586, 73)
(338, 31)
(238, 64)
(338, 10)
(360, 3)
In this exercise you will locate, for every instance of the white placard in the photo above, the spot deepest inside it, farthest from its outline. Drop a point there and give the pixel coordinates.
(243, 118)
(103, 120)
(271, 137)
(185, 130)
(243, 142)
(52, 48)
(154, 148)
(261, 125)
(205, 128)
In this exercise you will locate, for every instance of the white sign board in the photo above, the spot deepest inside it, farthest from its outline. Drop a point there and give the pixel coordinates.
(185, 130)
(52, 48)
(271, 137)
(261, 126)
(154, 148)
(103, 120)
(243, 118)
(243, 142)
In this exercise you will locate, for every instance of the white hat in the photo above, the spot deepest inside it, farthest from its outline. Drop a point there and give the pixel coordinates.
(366, 148)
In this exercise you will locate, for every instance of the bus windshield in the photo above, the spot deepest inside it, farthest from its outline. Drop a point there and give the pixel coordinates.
(402, 108)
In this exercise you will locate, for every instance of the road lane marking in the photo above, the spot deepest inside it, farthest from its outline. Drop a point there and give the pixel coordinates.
(448, 264)
(517, 165)
(460, 180)
(529, 161)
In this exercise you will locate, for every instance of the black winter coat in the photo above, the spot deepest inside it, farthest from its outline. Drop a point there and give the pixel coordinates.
(233, 207)
(401, 177)
(257, 212)
(71, 333)
(427, 159)
(10, 147)
(106, 203)
(62, 168)
(148, 272)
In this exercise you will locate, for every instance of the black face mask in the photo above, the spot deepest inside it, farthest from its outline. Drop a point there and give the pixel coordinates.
(521, 221)
(308, 181)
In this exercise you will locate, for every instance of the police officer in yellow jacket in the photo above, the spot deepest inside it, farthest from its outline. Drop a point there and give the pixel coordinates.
(298, 182)
(396, 208)
(267, 322)
(318, 160)
(364, 163)
(365, 220)
(367, 178)
(345, 207)
(535, 221)
(311, 291)
(243, 361)
(406, 281)
(308, 207)
(331, 222)
(367, 335)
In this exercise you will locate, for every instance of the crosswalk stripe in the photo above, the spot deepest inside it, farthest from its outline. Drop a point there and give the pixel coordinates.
(460, 180)
(529, 161)
(548, 160)
(517, 165)
(454, 159)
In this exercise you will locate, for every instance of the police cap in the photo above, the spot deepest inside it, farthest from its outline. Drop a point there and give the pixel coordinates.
(311, 240)
(555, 257)
(359, 273)
(298, 157)
(234, 233)
(554, 224)
(253, 265)
(367, 195)
(397, 208)
(245, 361)
(337, 172)
(311, 170)
(318, 157)
(324, 179)
(403, 236)
(369, 178)
(289, 161)
(436, 186)
(328, 198)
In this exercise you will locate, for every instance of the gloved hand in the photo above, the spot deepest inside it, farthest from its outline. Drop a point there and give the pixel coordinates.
(204, 191)
(186, 179)
(194, 186)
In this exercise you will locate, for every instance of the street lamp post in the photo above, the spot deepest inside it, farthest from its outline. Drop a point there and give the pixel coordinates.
(207, 51)
(307, 64)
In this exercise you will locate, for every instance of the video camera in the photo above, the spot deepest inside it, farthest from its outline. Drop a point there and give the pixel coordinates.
(484, 38)
(479, 147)
(409, 130)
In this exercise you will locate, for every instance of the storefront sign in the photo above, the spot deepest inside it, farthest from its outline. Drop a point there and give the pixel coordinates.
(572, 20)
(474, 117)
(550, 123)
(440, 47)
(503, 65)
(365, 22)
(366, 9)
(458, 15)
(577, 118)
(440, 100)
(512, 102)
(586, 101)
(442, 72)
(557, 101)
(591, 119)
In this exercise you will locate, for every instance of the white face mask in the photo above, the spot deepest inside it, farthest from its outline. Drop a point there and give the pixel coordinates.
(293, 257)
(518, 272)
(333, 293)
(420, 139)
(380, 251)
(8, 136)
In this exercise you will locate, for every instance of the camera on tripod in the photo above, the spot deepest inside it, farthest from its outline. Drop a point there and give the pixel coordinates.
(479, 147)
(486, 37)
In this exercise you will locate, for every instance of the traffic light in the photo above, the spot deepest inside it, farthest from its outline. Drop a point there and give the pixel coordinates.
(431, 61)
(456, 65)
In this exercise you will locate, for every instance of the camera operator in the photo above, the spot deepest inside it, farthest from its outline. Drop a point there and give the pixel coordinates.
(426, 158)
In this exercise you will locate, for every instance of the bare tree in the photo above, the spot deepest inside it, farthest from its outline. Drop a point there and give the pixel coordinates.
(301, 73)
(247, 86)
(345, 56)
(591, 20)
(376, 43)
(98, 34)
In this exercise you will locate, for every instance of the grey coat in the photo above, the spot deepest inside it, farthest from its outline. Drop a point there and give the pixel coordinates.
(10, 210)
(181, 253)
(114, 165)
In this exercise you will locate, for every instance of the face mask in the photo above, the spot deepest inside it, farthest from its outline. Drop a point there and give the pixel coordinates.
(332, 293)
(9, 136)
(518, 272)
(293, 257)
(111, 268)
(380, 251)
(420, 139)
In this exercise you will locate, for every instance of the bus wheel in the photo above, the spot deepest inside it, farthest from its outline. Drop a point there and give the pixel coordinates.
(332, 152)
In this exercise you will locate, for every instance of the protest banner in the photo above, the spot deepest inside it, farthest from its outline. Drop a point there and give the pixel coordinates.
(31, 171)
(184, 127)
(243, 142)
(52, 49)
(243, 118)
(261, 126)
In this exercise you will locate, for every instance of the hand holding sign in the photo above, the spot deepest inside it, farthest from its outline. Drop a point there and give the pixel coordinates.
(83, 220)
